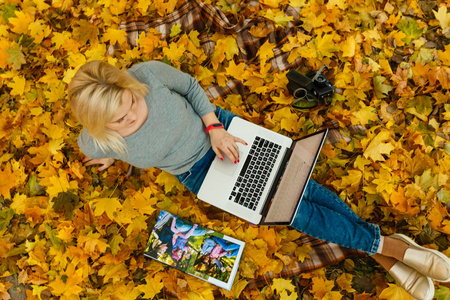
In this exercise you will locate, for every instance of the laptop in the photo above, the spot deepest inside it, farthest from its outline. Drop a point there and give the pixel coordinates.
(268, 183)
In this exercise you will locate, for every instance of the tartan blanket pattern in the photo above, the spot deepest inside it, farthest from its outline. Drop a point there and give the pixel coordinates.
(207, 19)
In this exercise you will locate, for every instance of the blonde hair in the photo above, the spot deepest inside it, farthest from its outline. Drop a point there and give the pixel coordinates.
(95, 94)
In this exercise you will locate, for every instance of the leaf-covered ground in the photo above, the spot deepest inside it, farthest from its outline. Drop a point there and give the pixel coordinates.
(68, 232)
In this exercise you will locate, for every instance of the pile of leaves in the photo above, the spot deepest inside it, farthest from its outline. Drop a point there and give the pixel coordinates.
(68, 232)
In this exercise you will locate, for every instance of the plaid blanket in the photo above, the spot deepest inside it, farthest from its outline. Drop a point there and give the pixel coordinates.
(207, 19)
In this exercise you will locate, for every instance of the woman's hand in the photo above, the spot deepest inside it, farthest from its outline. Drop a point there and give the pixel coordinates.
(224, 142)
(104, 162)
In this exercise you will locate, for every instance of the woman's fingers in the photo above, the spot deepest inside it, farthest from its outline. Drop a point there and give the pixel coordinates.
(229, 151)
(104, 162)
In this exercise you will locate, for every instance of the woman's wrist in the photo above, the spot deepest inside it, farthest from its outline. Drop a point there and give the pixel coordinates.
(214, 126)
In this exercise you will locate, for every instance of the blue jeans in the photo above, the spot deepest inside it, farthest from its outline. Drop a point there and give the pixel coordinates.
(193, 178)
(322, 214)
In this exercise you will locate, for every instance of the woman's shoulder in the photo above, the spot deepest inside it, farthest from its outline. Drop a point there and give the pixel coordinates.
(152, 66)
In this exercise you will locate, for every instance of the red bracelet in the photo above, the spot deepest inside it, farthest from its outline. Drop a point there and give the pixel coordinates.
(213, 126)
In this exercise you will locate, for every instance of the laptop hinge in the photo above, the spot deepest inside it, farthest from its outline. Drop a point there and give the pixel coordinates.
(276, 180)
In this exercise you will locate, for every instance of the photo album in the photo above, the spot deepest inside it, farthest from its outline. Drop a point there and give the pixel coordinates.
(195, 250)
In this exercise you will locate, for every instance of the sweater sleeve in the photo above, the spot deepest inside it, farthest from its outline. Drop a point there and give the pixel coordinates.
(87, 146)
(176, 81)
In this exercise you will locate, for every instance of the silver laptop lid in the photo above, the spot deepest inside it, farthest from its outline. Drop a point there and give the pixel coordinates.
(293, 180)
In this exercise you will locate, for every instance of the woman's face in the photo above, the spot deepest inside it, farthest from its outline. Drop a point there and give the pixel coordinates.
(130, 116)
(162, 249)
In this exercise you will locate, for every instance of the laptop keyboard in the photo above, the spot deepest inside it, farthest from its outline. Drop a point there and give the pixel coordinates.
(255, 172)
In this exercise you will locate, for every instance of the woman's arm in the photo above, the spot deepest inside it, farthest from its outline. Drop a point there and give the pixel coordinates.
(221, 140)
(173, 226)
(189, 233)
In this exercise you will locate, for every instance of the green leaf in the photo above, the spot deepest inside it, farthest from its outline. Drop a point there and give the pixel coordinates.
(16, 57)
(443, 195)
(66, 202)
(114, 243)
(175, 30)
(411, 29)
(421, 107)
(443, 293)
(381, 89)
(6, 216)
(8, 11)
(426, 180)
(56, 242)
(447, 148)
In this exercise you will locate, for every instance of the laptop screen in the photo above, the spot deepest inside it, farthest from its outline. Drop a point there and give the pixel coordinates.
(294, 179)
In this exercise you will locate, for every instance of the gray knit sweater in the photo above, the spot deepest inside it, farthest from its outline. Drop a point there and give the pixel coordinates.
(173, 138)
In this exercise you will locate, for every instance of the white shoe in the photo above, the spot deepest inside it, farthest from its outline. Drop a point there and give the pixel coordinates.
(430, 263)
(419, 286)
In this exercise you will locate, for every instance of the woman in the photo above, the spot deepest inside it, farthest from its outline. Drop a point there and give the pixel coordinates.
(156, 116)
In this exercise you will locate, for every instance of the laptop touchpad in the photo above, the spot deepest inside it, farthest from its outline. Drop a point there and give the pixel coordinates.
(227, 166)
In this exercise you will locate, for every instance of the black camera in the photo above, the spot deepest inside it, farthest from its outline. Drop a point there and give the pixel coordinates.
(313, 87)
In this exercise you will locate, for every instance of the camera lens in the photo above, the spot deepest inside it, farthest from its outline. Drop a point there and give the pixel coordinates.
(320, 80)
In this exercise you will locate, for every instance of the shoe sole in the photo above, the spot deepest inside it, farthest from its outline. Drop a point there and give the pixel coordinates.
(409, 241)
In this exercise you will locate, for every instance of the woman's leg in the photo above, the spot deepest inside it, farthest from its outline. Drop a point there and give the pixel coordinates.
(322, 214)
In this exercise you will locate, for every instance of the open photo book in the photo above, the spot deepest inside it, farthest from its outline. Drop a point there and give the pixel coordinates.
(195, 250)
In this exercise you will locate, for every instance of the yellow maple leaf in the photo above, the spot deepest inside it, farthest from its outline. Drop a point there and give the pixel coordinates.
(302, 252)
(239, 72)
(59, 38)
(153, 286)
(279, 17)
(41, 5)
(384, 182)
(92, 243)
(345, 282)
(174, 52)
(282, 99)
(349, 46)
(285, 296)
(271, 3)
(321, 287)
(115, 36)
(144, 202)
(339, 3)
(117, 7)
(364, 115)
(312, 21)
(115, 271)
(443, 17)
(68, 283)
(444, 56)
(379, 146)
(138, 223)
(126, 213)
(8, 181)
(288, 120)
(108, 205)
(394, 292)
(39, 31)
(168, 181)
(226, 47)
(21, 22)
(18, 85)
(265, 52)
(127, 291)
(351, 182)
(20, 203)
